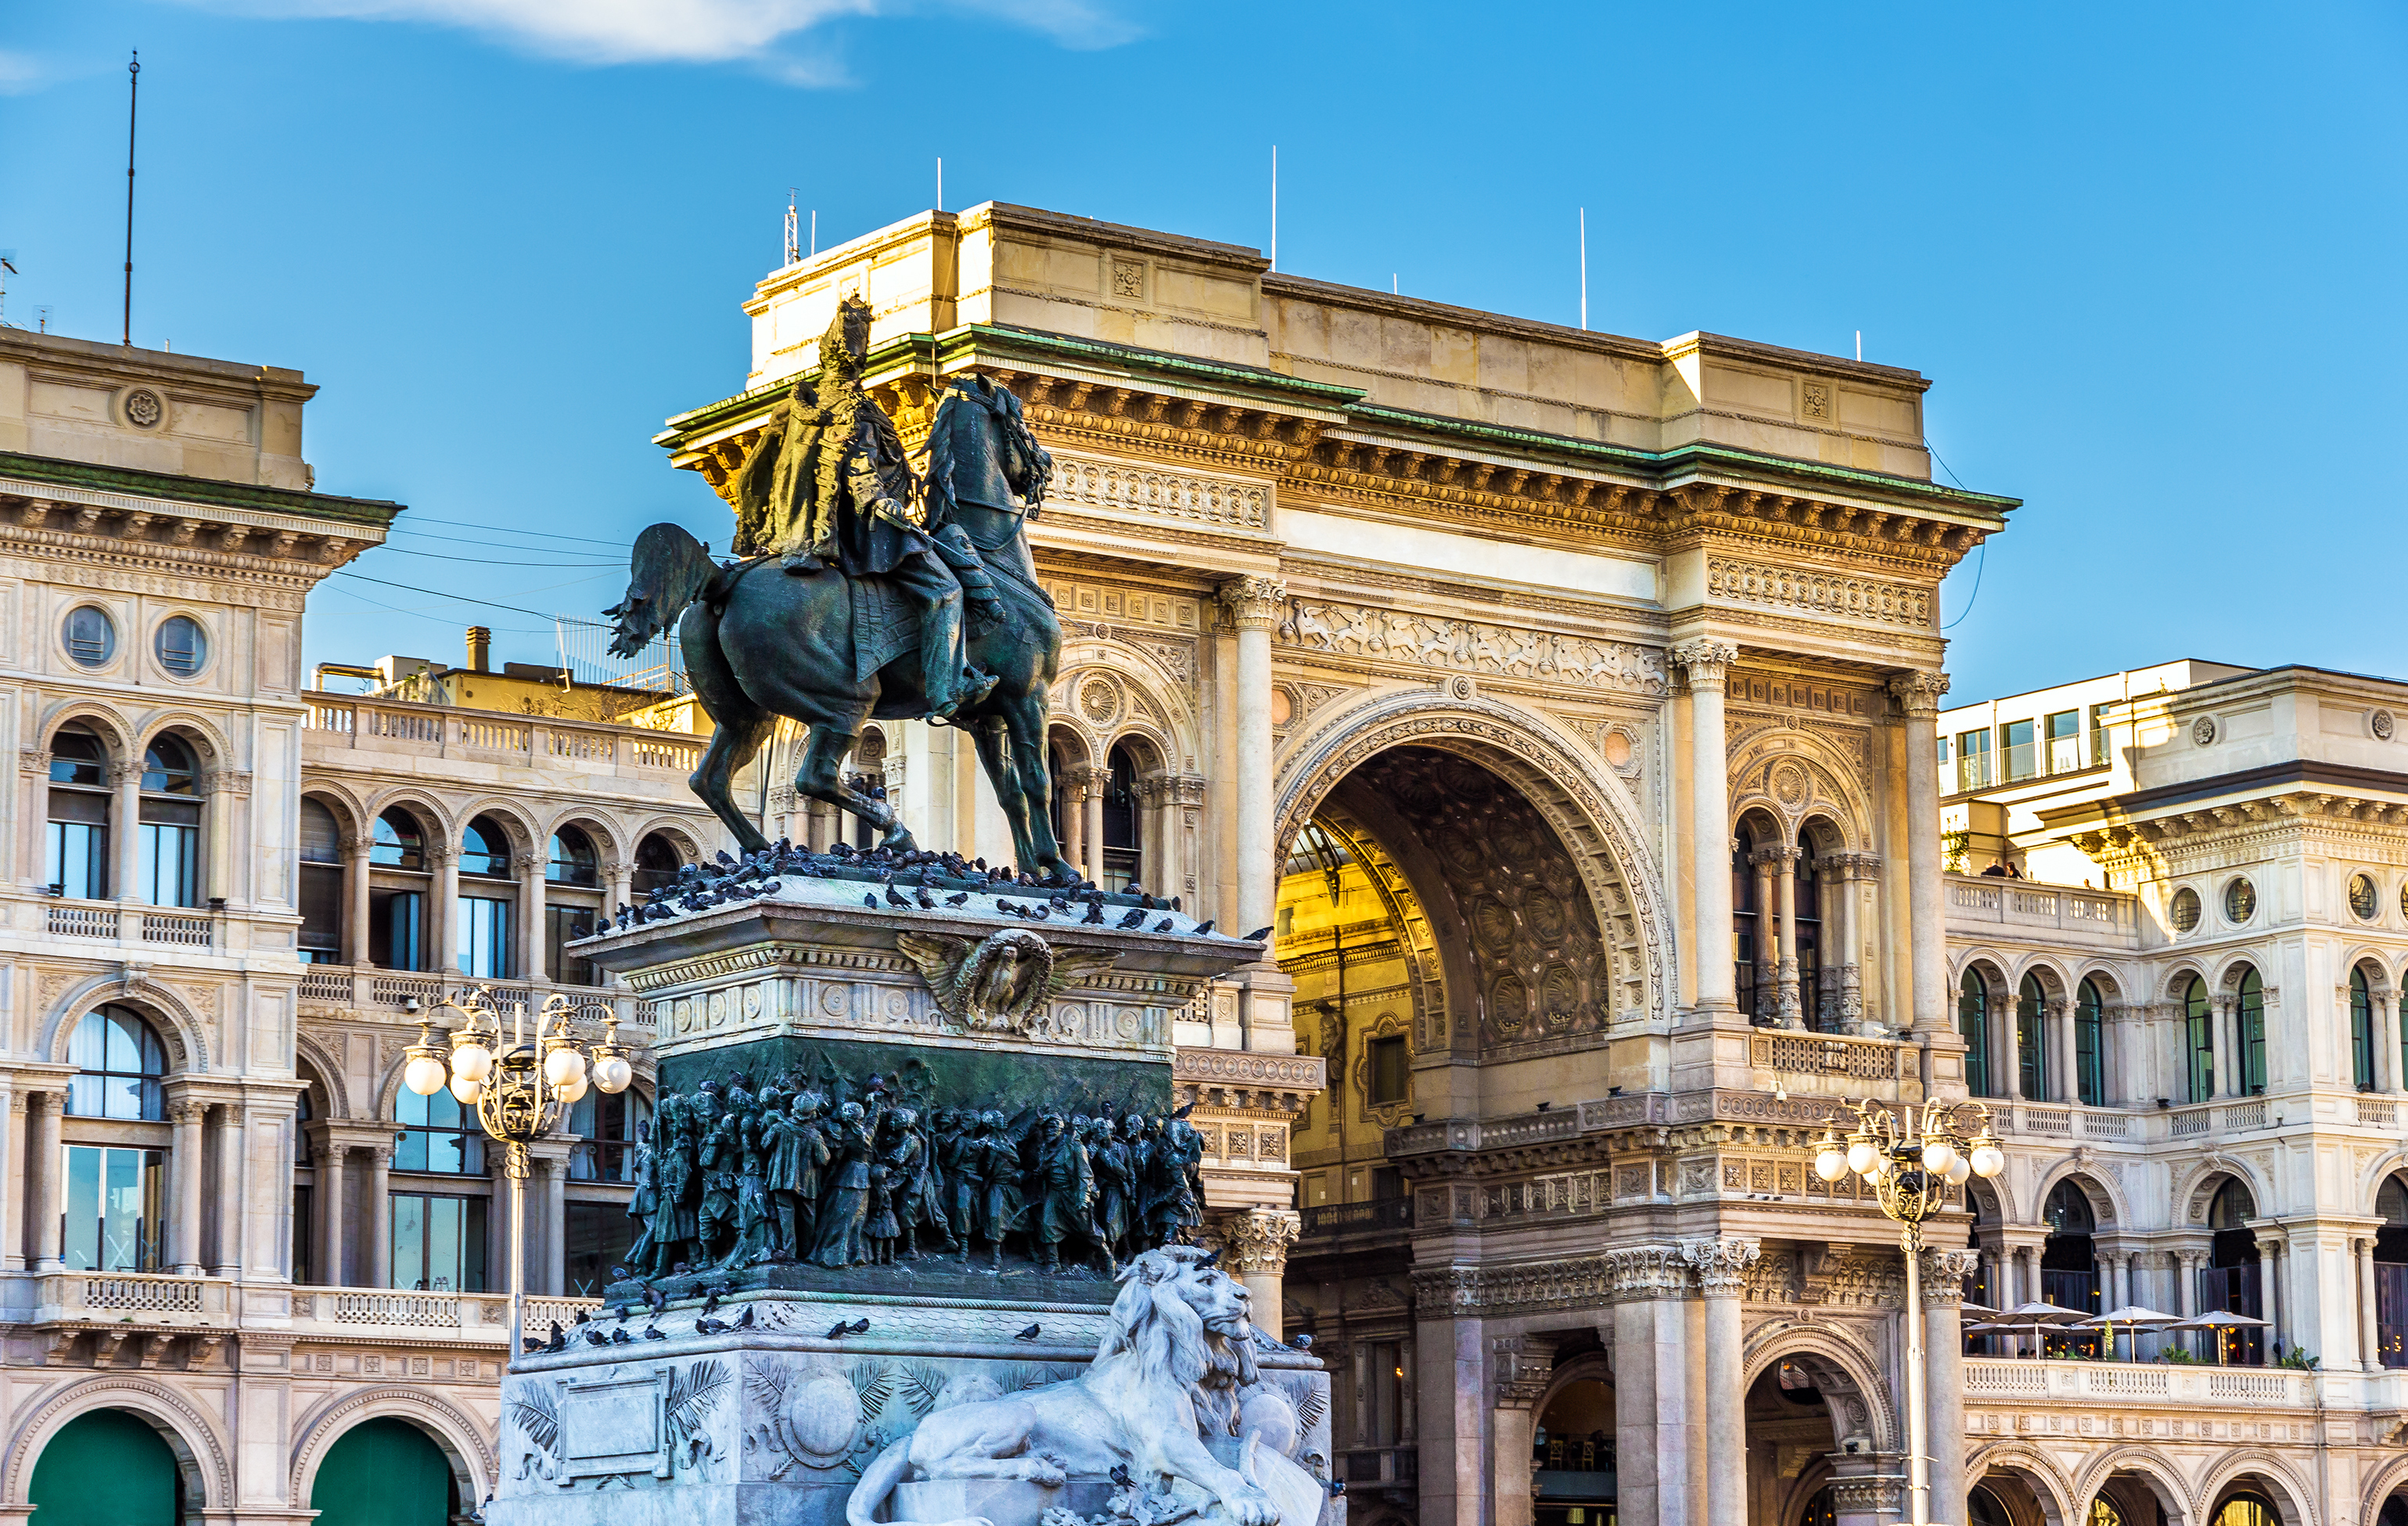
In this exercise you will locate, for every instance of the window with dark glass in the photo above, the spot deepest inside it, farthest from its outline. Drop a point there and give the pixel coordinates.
(439, 1243)
(2198, 1043)
(1972, 760)
(2362, 1031)
(563, 926)
(120, 1064)
(2391, 1273)
(437, 1135)
(2232, 1279)
(1806, 938)
(1973, 1027)
(1124, 847)
(2183, 910)
(606, 1125)
(656, 864)
(1747, 921)
(2249, 1017)
(482, 947)
(170, 866)
(2365, 899)
(2098, 734)
(2091, 1045)
(596, 1237)
(1391, 1069)
(2031, 1038)
(76, 845)
(397, 892)
(2239, 902)
(398, 842)
(2069, 1268)
(573, 859)
(322, 884)
(484, 851)
(182, 646)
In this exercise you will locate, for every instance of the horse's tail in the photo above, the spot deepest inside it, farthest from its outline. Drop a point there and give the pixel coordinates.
(668, 571)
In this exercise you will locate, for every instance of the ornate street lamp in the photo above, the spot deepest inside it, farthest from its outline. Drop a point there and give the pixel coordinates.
(1910, 1158)
(519, 1087)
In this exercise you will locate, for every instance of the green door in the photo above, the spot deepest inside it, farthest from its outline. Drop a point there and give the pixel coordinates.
(107, 1468)
(382, 1473)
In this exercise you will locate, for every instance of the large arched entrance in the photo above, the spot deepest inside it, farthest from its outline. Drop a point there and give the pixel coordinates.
(1574, 1481)
(385, 1472)
(107, 1468)
(1791, 1434)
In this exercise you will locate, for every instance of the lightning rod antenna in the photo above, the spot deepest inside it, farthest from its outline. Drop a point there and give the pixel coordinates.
(794, 250)
(1583, 264)
(1274, 206)
(132, 100)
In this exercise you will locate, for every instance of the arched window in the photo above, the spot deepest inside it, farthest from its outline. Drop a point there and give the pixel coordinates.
(322, 906)
(1973, 1027)
(484, 849)
(170, 868)
(2391, 1273)
(2068, 1269)
(2031, 1038)
(2230, 1280)
(1749, 927)
(2198, 1043)
(76, 847)
(398, 888)
(2362, 1031)
(1123, 849)
(481, 943)
(573, 859)
(119, 1062)
(2249, 1014)
(656, 864)
(437, 1135)
(1806, 938)
(2091, 1045)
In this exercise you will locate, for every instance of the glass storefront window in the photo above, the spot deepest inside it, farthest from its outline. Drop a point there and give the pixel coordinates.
(112, 1216)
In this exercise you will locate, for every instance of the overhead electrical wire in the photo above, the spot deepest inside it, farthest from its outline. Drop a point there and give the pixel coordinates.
(488, 561)
(472, 525)
(463, 598)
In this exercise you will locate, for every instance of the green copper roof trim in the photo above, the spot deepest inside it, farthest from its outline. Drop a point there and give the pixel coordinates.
(976, 338)
(198, 490)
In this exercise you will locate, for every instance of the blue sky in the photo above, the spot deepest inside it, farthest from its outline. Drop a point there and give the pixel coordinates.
(2151, 255)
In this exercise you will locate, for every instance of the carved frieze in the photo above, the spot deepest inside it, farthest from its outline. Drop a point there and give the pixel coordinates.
(1429, 641)
(1800, 589)
(1114, 488)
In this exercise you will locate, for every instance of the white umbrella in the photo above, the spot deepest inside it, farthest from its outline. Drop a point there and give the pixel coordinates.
(2131, 1316)
(2032, 1316)
(2221, 1321)
(1978, 1311)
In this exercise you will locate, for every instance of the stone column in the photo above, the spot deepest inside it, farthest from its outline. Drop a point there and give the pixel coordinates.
(1522, 1364)
(15, 1169)
(186, 1206)
(218, 834)
(2369, 1339)
(1944, 1351)
(1919, 694)
(1252, 605)
(443, 937)
(377, 1208)
(530, 960)
(355, 897)
(1721, 1267)
(1767, 958)
(1652, 1419)
(125, 820)
(1849, 871)
(331, 1158)
(2067, 1082)
(1074, 818)
(616, 890)
(2269, 1293)
(1786, 951)
(554, 1277)
(1707, 663)
(229, 1192)
(1255, 1240)
(45, 1169)
(1094, 782)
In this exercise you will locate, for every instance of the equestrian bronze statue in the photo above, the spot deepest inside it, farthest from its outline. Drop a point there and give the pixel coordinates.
(868, 590)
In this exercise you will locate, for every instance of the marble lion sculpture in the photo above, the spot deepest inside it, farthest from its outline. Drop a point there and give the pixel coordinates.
(1180, 1346)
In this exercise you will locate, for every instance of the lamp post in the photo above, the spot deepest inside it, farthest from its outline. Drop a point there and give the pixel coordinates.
(520, 1086)
(1910, 1158)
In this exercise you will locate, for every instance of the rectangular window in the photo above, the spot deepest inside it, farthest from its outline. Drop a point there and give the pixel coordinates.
(1743, 954)
(1972, 760)
(1388, 1183)
(2068, 750)
(321, 914)
(2251, 1015)
(115, 1198)
(77, 848)
(485, 938)
(394, 923)
(2031, 1048)
(564, 924)
(2089, 1058)
(301, 1238)
(2021, 757)
(1386, 1405)
(439, 1243)
(1391, 1067)
(598, 1236)
(2200, 1040)
(171, 864)
(1943, 752)
(2099, 748)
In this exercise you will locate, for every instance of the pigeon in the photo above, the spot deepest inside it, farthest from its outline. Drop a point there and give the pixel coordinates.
(839, 1330)
(619, 1274)
(618, 1311)
(583, 1317)
(652, 1331)
(744, 1321)
(656, 1300)
(1030, 1333)
(870, 902)
(1094, 917)
(1163, 925)
(559, 1340)
(711, 1300)
(894, 897)
(1260, 935)
(711, 1326)
(1303, 1341)
(957, 899)
(920, 899)
(1203, 928)
(1185, 1108)
(1210, 1263)
(1135, 918)
(529, 1345)
(619, 1337)
(1121, 1475)
(1044, 909)
(595, 1338)
(1133, 888)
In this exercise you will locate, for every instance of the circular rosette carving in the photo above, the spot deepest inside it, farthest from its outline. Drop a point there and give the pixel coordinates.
(823, 1413)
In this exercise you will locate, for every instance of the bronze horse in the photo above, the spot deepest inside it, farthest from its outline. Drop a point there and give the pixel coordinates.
(761, 643)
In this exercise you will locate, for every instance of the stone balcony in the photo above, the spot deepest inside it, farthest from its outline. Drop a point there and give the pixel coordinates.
(345, 987)
(343, 723)
(95, 1315)
(2223, 1118)
(1983, 907)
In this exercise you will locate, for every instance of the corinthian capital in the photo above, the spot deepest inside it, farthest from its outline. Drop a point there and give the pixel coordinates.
(1251, 603)
(1720, 1265)
(1256, 1240)
(1705, 658)
(1918, 691)
(1944, 1273)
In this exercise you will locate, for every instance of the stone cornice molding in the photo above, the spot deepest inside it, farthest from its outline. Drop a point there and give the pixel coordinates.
(1721, 1264)
(1524, 1365)
(1919, 692)
(1705, 660)
(1643, 1271)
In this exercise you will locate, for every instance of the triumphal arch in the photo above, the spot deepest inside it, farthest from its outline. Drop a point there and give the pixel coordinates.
(1563, 705)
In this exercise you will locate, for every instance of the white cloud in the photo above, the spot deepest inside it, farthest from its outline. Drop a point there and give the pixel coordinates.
(22, 73)
(679, 31)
